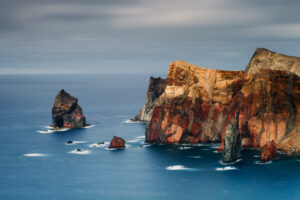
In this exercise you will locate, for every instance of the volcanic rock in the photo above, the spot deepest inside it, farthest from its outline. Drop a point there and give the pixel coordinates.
(155, 89)
(66, 113)
(232, 142)
(269, 152)
(117, 143)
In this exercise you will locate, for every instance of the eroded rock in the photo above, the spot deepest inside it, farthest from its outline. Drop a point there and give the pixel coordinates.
(117, 143)
(269, 152)
(66, 113)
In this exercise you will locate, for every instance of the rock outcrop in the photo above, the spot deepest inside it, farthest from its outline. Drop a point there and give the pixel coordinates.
(198, 104)
(193, 106)
(155, 89)
(117, 143)
(232, 142)
(66, 113)
(269, 152)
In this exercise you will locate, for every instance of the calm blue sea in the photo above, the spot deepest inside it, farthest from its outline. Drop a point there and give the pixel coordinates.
(36, 165)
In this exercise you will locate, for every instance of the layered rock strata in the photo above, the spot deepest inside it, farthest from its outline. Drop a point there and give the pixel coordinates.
(198, 104)
(66, 113)
(155, 89)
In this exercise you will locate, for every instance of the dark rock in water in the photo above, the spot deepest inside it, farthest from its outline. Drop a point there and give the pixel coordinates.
(78, 150)
(66, 113)
(100, 143)
(117, 142)
(70, 142)
(269, 152)
(232, 142)
(155, 89)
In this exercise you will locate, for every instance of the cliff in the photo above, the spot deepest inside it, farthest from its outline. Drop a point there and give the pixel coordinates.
(66, 113)
(193, 106)
(155, 89)
(198, 104)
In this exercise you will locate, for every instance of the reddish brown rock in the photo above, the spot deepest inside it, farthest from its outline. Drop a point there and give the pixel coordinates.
(193, 106)
(269, 152)
(117, 143)
(66, 113)
(198, 104)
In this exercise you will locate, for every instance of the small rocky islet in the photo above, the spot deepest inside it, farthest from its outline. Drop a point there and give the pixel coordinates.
(258, 107)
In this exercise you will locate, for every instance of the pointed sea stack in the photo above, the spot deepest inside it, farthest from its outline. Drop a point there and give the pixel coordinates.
(155, 89)
(66, 113)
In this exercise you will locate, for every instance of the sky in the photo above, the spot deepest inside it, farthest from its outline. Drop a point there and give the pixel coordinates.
(141, 36)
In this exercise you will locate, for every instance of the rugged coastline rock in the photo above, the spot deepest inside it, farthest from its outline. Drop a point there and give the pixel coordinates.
(117, 143)
(269, 152)
(193, 106)
(198, 104)
(66, 113)
(155, 89)
(232, 142)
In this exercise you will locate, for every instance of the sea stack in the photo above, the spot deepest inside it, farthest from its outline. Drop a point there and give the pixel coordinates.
(66, 113)
(155, 89)
(117, 143)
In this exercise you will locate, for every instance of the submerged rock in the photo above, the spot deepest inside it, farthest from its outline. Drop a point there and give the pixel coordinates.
(269, 152)
(155, 89)
(117, 143)
(232, 142)
(70, 142)
(66, 113)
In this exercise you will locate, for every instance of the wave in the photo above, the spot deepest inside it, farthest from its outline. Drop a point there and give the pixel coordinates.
(217, 151)
(179, 168)
(256, 156)
(81, 152)
(76, 142)
(226, 168)
(185, 148)
(35, 155)
(50, 129)
(98, 145)
(231, 163)
(89, 126)
(129, 121)
(263, 163)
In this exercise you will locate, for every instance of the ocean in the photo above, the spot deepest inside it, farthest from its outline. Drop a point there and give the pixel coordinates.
(36, 163)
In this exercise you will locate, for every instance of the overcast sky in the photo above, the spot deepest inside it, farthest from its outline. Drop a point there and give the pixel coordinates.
(112, 36)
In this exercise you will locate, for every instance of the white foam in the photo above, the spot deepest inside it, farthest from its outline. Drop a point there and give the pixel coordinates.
(217, 152)
(263, 163)
(176, 167)
(196, 157)
(231, 163)
(185, 148)
(50, 129)
(76, 142)
(82, 152)
(134, 140)
(215, 147)
(256, 156)
(205, 149)
(35, 155)
(96, 145)
(141, 137)
(225, 168)
(89, 126)
(129, 121)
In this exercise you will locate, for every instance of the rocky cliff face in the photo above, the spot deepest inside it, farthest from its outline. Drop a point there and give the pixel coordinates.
(193, 106)
(155, 89)
(198, 104)
(66, 113)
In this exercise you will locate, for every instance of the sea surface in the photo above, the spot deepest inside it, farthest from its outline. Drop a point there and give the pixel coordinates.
(36, 163)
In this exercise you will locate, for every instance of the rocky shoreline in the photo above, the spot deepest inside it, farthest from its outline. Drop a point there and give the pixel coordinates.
(256, 108)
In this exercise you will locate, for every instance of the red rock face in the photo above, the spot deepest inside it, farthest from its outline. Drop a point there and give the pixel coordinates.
(117, 143)
(198, 104)
(66, 113)
(193, 106)
(269, 152)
